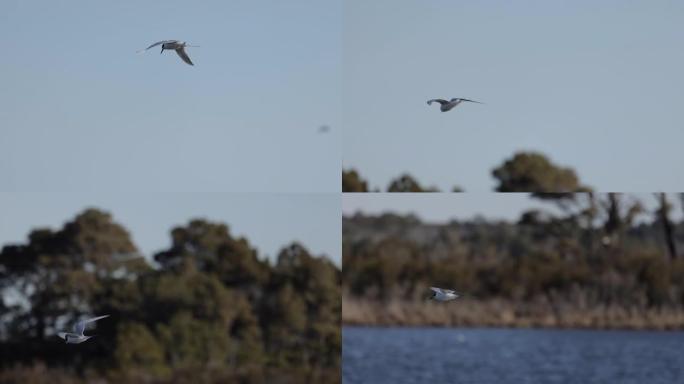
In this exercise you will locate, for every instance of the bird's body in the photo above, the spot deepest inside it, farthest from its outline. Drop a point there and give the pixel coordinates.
(173, 45)
(77, 336)
(440, 294)
(445, 105)
(73, 338)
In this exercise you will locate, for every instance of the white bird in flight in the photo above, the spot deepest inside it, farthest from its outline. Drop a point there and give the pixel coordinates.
(440, 294)
(451, 104)
(77, 336)
(174, 45)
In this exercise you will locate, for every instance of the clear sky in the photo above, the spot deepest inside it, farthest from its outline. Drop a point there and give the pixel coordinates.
(268, 221)
(595, 85)
(80, 110)
(442, 207)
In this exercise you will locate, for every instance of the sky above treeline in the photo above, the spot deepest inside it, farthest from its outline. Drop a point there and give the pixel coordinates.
(596, 86)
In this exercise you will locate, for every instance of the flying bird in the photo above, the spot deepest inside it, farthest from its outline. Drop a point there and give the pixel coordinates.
(77, 336)
(173, 45)
(445, 106)
(440, 294)
(324, 129)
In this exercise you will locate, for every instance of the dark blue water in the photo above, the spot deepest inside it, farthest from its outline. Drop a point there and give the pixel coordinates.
(442, 355)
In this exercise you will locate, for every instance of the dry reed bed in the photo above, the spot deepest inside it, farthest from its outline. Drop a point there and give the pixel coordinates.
(501, 313)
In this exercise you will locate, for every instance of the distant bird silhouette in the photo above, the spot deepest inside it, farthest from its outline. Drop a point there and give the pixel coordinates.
(77, 337)
(440, 294)
(323, 129)
(173, 45)
(451, 104)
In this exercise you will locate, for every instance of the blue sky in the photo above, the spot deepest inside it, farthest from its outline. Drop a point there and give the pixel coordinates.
(80, 110)
(596, 86)
(268, 221)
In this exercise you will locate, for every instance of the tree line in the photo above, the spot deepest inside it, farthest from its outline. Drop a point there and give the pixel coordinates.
(207, 309)
(601, 249)
(524, 172)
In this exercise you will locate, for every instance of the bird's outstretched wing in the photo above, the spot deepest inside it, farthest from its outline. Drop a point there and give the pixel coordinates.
(62, 335)
(471, 101)
(183, 55)
(437, 290)
(80, 326)
(160, 42)
(441, 101)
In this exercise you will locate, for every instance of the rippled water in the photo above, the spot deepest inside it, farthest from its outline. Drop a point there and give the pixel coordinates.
(442, 355)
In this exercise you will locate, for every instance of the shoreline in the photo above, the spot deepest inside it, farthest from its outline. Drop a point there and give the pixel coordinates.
(478, 327)
(497, 313)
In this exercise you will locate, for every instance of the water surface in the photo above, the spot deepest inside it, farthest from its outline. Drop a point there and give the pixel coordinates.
(456, 355)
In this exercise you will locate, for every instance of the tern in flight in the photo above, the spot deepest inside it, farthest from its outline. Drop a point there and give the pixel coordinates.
(77, 337)
(451, 104)
(440, 294)
(174, 45)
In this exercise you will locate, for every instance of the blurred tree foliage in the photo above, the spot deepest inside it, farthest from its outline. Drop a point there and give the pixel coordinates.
(406, 183)
(574, 255)
(524, 172)
(352, 182)
(668, 227)
(533, 172)
(209, 304)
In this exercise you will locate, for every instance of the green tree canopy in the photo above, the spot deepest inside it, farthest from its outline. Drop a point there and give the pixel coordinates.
(543, 255)
(210, 305)
(62, 272)
(310, 300)
(406, 183)
(352, 182)
(534, 172)
(211, 249)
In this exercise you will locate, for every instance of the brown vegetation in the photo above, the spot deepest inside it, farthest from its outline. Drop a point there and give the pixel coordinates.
(586, 268)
